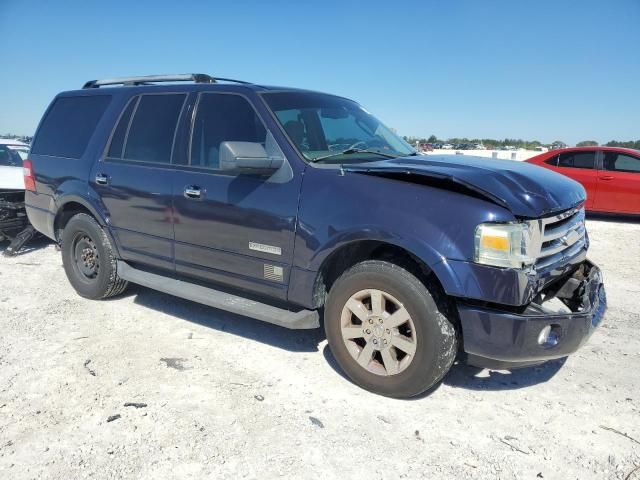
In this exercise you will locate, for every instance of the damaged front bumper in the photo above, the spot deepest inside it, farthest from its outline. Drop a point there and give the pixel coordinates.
(14, 223)
(502, 339)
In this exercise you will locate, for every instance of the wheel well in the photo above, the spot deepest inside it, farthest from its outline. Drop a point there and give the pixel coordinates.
(349, 255)
(65, 214)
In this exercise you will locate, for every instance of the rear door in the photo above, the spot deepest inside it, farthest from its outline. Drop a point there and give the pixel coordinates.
(134, 179)
(232, 227)
(581, 167)
(619, 183)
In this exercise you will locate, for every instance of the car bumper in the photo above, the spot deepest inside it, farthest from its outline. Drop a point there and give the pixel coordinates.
(495, 338)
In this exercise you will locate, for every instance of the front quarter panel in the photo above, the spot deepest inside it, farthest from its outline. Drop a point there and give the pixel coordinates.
(434, 224)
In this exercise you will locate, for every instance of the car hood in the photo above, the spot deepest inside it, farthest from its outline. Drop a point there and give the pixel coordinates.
(526, 190)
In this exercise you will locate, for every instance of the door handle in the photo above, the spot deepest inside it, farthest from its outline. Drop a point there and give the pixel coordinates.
(192, 191)
(102, 179)
(606, 177)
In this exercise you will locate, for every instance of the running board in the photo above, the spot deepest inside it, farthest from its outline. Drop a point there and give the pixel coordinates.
(224, 301)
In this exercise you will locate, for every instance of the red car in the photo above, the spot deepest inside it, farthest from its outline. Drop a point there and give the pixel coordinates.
(611, 176)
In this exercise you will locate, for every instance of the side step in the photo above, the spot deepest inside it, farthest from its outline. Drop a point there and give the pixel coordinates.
(217, 299)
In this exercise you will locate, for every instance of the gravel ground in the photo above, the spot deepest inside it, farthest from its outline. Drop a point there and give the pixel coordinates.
(220, 395)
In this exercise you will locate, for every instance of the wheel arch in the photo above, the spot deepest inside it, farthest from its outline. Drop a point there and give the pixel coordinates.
(352, 253)
(71, 205)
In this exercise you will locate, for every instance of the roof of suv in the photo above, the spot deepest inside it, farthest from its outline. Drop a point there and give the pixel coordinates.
(197, 81)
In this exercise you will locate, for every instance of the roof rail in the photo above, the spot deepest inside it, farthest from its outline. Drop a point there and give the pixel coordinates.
(146, 80)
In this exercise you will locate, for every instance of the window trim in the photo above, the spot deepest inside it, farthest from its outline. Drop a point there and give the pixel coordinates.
(137, 98)
(194, 113)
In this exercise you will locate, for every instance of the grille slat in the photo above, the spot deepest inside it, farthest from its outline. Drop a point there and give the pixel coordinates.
(563, 237)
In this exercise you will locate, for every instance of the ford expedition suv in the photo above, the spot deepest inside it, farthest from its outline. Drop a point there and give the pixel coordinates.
(296, 207)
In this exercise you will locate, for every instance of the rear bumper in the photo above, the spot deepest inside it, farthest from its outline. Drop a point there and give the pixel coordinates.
(495, 338)
(41, 219)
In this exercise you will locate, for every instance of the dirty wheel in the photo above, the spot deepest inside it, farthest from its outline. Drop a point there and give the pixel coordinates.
(386, 331)
(88, 259)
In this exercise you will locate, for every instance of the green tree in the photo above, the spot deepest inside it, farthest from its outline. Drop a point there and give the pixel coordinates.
(628, 144)
(587, 143)
(432, 139)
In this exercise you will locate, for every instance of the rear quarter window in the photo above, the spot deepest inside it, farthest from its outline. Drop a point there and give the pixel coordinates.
(69, 125)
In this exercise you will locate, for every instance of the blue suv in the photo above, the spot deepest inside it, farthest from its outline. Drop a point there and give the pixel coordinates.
(296, 207)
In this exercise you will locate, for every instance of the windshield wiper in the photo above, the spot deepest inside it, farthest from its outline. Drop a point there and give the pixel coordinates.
(351, 151)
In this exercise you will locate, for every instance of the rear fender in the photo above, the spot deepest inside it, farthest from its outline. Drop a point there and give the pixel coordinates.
(93, 206)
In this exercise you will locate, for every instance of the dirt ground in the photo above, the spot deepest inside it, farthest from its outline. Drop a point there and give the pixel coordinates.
(151, 386)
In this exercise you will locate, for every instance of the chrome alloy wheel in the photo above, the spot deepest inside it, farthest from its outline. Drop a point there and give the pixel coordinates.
(378, 332)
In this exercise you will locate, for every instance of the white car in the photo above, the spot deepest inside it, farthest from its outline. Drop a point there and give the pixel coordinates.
(12, 153)
(447, 146)
(14, 224)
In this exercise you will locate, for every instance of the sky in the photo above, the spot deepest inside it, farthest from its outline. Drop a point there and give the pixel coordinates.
(546, 69)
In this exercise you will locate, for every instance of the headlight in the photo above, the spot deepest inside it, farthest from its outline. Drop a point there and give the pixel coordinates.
(504, 245)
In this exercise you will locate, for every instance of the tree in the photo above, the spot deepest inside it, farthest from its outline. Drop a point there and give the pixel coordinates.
(587, 143)
(432, 139)
(629, 144)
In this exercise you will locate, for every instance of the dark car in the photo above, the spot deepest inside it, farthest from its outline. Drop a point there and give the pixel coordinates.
(610, 175)
(293, 207)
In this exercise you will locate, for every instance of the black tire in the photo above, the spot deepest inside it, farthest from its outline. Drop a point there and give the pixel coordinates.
(436, 338)
(95, 276)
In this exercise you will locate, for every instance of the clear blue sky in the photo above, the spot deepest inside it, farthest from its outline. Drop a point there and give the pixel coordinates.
(543, 69)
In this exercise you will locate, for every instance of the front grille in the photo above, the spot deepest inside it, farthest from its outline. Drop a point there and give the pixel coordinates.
(563, 236)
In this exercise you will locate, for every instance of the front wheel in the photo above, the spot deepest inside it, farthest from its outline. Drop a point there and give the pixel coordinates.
(386, 331)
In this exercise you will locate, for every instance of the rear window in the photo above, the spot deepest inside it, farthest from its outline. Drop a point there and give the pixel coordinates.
(152, 130)
(68, 126)
(9, 157)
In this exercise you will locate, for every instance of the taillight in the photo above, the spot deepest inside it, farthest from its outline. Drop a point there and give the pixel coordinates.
(29, 178)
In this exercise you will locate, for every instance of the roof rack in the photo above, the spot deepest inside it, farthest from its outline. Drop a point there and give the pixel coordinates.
(148, 79)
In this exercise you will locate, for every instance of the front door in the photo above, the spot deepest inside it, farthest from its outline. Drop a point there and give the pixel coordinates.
(619, 183)
(581, 167)
(134, 180)
(233, 228)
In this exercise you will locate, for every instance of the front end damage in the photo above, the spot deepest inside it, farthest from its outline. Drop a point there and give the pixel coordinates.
(14, 224)
(555, 324)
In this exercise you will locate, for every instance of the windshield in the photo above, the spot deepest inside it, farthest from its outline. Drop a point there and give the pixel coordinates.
(323, 125)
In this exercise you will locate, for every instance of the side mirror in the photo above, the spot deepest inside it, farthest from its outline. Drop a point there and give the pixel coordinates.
(247, 156)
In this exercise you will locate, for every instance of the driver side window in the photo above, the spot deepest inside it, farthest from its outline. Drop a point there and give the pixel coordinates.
(618, 162)
(222, 117)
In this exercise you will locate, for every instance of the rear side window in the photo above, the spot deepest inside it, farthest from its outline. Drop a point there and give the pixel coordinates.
(619, 162)
(552, 161)
(577, 160)
(117, 142)
(149, 136)
(69, 125)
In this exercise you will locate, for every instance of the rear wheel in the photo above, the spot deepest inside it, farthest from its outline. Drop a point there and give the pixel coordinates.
(88, 259)
(386, 331)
